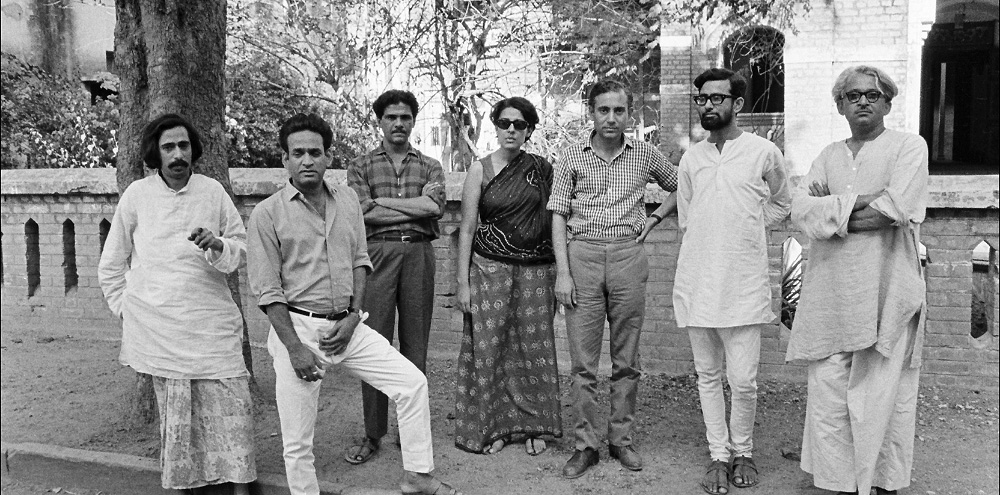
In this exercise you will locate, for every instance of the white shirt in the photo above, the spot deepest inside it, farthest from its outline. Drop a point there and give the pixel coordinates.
(724, 202)
(179, 318)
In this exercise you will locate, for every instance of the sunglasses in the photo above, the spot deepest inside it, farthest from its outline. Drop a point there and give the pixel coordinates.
(505, 124)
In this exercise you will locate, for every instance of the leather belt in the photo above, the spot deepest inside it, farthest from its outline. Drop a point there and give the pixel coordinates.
(334, 316)
(399, 237)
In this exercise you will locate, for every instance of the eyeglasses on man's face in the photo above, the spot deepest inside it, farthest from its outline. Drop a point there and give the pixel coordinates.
(855, 96)
(505, 124)
(715, 98)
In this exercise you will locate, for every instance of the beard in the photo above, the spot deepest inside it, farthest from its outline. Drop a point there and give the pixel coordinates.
(715, 121)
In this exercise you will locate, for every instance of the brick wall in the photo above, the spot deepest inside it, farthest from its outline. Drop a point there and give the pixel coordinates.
(963, 214)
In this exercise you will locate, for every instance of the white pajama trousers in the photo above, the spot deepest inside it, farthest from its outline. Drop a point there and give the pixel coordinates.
(368, 356)
(737, 349)
(861, 418)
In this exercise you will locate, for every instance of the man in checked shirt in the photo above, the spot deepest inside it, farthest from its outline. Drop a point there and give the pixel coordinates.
(598, 214)
(402, 196)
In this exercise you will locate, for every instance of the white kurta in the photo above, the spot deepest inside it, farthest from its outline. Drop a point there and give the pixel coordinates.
(179, 318)
(724, 203)
(859, 322)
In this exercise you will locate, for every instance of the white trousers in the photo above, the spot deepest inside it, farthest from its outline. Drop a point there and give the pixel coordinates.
(738, 350)
(861, 418)
(368, 356)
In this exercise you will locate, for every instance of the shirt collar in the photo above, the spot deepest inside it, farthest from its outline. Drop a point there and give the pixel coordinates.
(629, 142)
(160, 180)
(410, 150)
(290, 192)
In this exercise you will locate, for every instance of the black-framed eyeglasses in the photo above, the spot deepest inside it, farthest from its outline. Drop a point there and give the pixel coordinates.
(505, 124)
(715, 98)
(855, 96)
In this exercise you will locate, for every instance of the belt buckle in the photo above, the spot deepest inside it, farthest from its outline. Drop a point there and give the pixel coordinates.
(406, 238)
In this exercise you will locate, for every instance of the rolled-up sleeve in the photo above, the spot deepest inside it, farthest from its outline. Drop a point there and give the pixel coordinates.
(118, 248)
(436, 175)
(233, 236)
(821, 218)
(663, 171)
(264, 259)
(905, 199)
(562, 188)
(358, 181)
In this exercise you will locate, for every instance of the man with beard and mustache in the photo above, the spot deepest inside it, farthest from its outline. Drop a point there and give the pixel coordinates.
(598, 211)
(860, 320)
(174, 237)
(402, 196)
(731, 187)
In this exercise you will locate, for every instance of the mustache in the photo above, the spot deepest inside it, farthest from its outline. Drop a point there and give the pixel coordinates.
(179, 161)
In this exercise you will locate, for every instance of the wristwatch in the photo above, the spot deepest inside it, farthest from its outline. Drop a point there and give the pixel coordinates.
(657, 217)
(352, 309)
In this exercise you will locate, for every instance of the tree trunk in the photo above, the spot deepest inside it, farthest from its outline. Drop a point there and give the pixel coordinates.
(170, 56)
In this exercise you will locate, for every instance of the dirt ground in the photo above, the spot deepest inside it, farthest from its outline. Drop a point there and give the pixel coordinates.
(70, 391)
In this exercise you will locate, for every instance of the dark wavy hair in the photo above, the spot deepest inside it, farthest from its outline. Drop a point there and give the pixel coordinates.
(305, 122)
(150, 144)
(737, 83)
(607, 86)
(392, 97)
(517, 103)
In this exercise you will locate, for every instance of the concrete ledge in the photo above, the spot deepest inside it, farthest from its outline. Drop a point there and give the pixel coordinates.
(946, 191)
(114, 473)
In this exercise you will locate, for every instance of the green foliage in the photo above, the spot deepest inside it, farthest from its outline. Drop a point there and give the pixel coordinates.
(49, 122)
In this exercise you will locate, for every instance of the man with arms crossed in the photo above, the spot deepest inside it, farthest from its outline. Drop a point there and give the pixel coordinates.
(730, 187)
(402, 195)
(307, 265)
(859, 325)
(598, 211)
(174, 237)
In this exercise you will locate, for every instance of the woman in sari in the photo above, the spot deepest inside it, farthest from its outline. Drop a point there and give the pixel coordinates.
(508, 384)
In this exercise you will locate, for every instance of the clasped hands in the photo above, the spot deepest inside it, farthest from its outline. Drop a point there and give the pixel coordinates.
(307, 364)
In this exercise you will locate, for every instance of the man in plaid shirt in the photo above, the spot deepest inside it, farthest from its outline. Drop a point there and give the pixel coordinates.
(598, 213)
(402, 196)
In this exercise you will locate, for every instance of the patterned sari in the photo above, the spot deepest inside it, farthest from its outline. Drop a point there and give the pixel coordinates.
(508, 383)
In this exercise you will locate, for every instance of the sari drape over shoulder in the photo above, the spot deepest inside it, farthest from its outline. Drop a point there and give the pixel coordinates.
(512, 227)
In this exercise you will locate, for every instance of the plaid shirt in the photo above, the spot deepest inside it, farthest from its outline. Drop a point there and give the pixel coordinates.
(606, 200)
(372, 176)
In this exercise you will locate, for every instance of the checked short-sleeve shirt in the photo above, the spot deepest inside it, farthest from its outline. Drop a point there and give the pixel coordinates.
(372, 176)
(606, 200)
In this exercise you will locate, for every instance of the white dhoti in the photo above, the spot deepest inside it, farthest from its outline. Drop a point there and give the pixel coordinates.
(860, 419)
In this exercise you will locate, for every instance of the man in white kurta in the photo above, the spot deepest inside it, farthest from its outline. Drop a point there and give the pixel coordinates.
(859, 323)
(731, 186)
(174, 237)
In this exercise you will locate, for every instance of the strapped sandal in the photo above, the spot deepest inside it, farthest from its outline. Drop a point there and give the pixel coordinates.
(713, 469)
(742, 462)
(356, 454)
(441, 488)
(534, 446)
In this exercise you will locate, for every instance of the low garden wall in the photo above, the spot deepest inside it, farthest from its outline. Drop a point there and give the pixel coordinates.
(54, 223)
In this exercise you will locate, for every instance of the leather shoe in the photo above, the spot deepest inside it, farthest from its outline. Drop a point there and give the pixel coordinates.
(626, 455)
(581, 461)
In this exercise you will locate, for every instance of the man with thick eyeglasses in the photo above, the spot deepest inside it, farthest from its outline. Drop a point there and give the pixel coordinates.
(598, 210)
(402, 196)
(730, 188)
(859, 322)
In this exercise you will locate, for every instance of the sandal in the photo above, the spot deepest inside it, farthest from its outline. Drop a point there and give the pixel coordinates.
(441, 488)
(715, 486)
(534, 446)
(741, 463)
(495, 447)
(362, 453)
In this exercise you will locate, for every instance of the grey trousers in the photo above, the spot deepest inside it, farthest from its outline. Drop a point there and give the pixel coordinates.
(610, 278)
(402, 278)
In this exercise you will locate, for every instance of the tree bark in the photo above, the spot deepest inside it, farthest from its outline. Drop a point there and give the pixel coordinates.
(170, 56)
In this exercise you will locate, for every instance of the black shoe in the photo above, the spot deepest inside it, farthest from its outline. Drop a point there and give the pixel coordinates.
(626, 455)
(581, 461)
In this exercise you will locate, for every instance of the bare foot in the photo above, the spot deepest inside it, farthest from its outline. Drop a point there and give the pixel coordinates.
(495, 448)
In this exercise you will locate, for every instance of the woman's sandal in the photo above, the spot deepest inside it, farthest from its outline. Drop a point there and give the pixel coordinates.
(745, 463)
(721, 483)
(534, 446)
(495, 447)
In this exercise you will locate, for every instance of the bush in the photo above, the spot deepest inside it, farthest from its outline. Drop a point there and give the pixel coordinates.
(49, 122)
